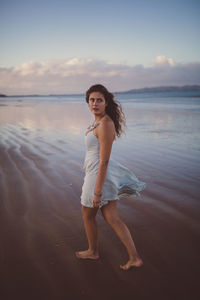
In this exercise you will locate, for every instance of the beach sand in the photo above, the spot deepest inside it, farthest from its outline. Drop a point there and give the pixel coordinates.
(41, 158)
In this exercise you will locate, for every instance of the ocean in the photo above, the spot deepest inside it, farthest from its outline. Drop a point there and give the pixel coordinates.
(42, 151)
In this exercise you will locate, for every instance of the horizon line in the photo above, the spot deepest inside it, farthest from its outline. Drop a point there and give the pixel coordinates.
(155, 88)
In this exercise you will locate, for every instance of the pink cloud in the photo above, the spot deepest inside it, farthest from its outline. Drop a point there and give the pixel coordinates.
(74, 75)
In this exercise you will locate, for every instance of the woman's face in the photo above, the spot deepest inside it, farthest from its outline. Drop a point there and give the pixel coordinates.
(97, 103)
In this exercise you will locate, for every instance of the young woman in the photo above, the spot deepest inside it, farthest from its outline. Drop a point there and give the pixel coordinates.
(105, 179)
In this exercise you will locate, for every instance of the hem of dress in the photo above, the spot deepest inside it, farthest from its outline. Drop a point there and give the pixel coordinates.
(102, 203)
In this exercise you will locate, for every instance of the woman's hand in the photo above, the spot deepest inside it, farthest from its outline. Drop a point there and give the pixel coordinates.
(96, 201)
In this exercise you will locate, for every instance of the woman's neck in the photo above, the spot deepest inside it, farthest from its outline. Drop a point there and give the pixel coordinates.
(98, 118)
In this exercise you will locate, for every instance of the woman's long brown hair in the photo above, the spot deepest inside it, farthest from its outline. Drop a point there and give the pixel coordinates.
(113, 108)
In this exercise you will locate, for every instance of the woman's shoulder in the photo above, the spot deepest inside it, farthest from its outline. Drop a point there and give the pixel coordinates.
(107, 125)
(107, 122)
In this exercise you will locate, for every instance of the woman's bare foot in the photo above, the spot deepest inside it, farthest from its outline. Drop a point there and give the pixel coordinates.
(137, 262)
(87, 254)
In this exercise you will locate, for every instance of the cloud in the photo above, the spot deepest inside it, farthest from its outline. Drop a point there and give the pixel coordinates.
(162, 60)
(75, 75)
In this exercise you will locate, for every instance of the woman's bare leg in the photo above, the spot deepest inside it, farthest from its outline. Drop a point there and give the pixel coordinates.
(110, 214)
(89, 215)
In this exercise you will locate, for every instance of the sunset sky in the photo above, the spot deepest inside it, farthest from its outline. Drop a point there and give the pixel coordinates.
(64, 46)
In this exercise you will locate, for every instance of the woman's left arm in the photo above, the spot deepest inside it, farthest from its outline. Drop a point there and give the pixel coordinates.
(106, 134)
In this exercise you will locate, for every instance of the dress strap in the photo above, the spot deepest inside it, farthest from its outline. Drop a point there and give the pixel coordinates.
(91, 127)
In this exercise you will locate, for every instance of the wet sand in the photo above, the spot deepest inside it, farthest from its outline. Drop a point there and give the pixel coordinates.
(41, 158)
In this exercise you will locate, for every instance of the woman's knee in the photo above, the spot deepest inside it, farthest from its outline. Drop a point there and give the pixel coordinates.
(111, 219)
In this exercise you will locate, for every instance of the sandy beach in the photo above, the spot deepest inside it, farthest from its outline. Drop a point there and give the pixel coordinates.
(41, 159)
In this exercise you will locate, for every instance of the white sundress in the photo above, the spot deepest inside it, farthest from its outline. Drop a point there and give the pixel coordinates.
(120, 182)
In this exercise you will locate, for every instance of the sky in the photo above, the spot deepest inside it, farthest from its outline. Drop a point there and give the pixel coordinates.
(64, 46)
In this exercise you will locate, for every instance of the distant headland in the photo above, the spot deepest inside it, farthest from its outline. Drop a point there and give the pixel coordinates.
(185, 88)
